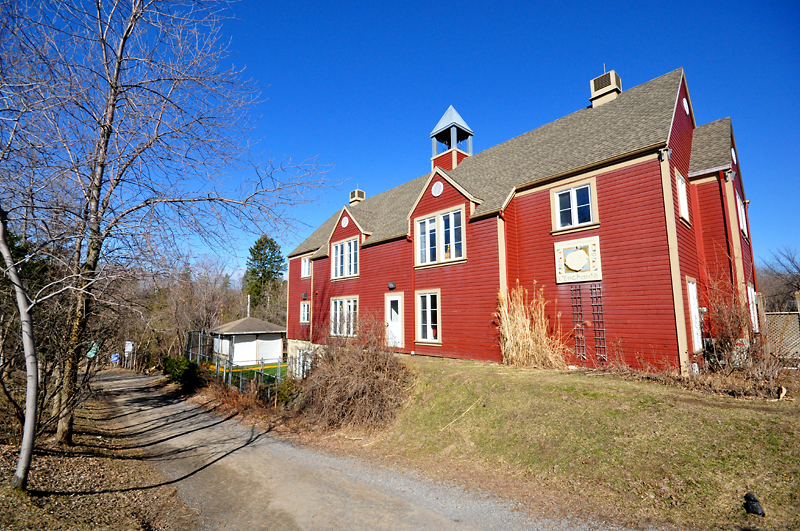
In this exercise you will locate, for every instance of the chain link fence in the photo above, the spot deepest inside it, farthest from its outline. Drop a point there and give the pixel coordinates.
(782, 336)
(263, 378)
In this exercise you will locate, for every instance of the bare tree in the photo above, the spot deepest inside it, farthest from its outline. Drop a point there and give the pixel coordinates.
(779, 279)
(130, 151)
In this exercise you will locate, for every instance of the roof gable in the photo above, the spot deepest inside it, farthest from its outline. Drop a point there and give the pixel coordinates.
(439, 172)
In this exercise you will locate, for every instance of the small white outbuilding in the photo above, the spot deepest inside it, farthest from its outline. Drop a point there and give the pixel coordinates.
(252, 341)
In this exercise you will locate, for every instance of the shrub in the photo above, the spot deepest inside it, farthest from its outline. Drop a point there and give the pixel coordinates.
(355, 381)
(525, 338)
(184, 372)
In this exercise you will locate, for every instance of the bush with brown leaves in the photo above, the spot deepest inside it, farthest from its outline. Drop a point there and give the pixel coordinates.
(355, 381)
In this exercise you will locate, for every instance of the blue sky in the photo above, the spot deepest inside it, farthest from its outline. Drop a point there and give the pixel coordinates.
(360, 85)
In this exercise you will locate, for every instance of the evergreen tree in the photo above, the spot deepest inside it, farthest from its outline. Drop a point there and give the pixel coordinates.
(265, 267)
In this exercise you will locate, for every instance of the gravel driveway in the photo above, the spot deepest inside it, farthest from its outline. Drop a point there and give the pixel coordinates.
(237, 477)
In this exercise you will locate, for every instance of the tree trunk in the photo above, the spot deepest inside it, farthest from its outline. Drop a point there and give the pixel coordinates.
(70, 375)
(20, 478)
(57, 382)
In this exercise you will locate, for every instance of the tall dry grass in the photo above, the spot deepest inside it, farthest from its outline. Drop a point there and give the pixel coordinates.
(526, 339)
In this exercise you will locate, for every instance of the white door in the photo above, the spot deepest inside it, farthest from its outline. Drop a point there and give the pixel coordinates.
(394, 320)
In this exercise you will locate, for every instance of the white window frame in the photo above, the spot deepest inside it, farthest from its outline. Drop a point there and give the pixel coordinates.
(683, 199)
(429, 319)
(573, 206)
(753, 306)
(344, 316)
(430, 236)
(305, 267)
(742, 213)
(344, 262)
(305, 312)
(694, 312)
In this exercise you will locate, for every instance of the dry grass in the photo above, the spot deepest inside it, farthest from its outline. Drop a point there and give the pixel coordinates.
(596, 445)
(355, 382)
(526, 338)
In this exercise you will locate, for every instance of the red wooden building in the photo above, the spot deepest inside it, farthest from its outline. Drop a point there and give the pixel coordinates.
(622, 210)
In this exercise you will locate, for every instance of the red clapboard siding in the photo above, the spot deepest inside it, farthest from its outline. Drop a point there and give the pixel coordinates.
(468, 289)
(378, 265)
(297, 286)
(715, 235)
(636, 286)
(460, 156)
(512, 243)
(680, 142)
(444, 161)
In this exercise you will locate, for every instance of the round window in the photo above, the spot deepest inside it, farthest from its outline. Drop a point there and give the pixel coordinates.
(686, 106)
(437, 188)
(345, 221)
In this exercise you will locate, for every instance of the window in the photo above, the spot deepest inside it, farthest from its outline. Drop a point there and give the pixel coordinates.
(694, 310)
(305, 312)
(574, 207)
(345, 259)
(305, 267)
(344, 317)
(440, 238)
(742, 214)
(751, 302)
(428, 317)
(683, 201)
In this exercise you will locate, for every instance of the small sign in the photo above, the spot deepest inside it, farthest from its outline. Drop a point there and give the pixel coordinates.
(115, 357)
(93, 350)
(128, 347)
(578, 260)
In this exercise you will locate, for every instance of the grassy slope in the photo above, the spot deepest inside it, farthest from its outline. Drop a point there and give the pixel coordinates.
(633, 452)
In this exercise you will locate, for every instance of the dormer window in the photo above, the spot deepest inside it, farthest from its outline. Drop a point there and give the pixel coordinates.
(440, 237)
(345, 259)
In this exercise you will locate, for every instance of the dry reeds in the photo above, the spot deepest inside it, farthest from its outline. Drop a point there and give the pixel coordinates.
(525, 338)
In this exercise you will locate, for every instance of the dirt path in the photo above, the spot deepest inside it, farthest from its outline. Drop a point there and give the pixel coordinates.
(237, 477)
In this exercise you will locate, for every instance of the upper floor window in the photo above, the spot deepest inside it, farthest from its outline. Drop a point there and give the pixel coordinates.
(574, 207)
(305, 267)
(742, 214)
(345, 259)
(683, 200)
(440, 237)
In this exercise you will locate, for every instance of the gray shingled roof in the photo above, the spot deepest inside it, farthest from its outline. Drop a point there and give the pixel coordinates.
(638, 118)
(711, 147)
(384, 215)
(248, 325)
